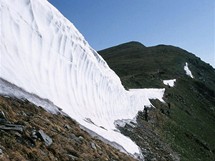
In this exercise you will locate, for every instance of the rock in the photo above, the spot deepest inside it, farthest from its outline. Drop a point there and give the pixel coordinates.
(34, 134)
(1, 151)
(93, 146)
(2, 148)
(17, 134)
(72, 136)
(98, 147)
(78, 140)
(81, 138)
(72, 156)
(67, 126)
(3, 119)
(2, 115)
(44, 137)
(13, 127)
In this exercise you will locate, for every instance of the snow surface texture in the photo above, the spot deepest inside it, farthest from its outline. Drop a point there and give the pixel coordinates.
(170, 82)
(44, 54)
(187, 70)
(8, 89)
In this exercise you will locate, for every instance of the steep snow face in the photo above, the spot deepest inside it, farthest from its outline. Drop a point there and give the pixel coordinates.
(170, 82)
(44, 54)
(187, 70)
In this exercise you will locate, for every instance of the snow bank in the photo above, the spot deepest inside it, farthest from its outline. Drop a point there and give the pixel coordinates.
(170, 82)
(44, 54)
(8, 89)
(187, 70)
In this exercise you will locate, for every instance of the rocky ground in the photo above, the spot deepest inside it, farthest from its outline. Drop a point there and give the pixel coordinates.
(28, 132)
(147, 135)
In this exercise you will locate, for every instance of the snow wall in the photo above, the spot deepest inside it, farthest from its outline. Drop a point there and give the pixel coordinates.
(44, 54)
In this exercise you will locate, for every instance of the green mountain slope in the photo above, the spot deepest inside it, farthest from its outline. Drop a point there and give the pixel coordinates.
(183, 127)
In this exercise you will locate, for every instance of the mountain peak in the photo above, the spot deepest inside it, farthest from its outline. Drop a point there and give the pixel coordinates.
(125, 46)
(134, 43)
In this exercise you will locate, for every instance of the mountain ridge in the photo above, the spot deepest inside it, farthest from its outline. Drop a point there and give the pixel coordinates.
(185, 121)
(171, 54)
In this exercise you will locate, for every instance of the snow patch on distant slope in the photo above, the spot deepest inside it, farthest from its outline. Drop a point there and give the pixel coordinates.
(45, 55)
(187, 70)
(170, 82)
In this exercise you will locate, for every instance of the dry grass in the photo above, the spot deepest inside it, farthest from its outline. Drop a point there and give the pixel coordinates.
(63, 146)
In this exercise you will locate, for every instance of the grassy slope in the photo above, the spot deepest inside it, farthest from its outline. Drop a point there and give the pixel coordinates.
(65, 133)
(189, 123)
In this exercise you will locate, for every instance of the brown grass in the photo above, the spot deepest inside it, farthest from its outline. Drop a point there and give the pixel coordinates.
(33, 117)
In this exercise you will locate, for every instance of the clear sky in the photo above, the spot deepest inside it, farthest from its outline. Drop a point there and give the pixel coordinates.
(189, 24)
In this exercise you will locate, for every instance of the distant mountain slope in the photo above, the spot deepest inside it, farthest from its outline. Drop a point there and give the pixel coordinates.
(186, 121)
(135, 63)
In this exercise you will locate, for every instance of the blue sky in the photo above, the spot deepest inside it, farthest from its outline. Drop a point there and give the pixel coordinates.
(189, 24)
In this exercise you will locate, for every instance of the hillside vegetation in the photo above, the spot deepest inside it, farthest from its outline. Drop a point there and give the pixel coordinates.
(28, 132)
(184, 126)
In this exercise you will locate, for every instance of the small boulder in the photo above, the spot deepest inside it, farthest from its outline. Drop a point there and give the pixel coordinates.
(67, 126)
(77, 139)
(12, 127)
(34, 134)
(72, 157)
(44, 137)
(93, 146)
(72, 136)
(81, 138)
(2, 115)
(3, 119)
(17, 134)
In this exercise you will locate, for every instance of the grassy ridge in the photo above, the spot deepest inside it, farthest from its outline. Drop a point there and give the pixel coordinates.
(188, 125)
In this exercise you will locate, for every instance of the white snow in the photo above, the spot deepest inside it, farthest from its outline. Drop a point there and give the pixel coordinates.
(44, 54)
(143, 95)
(170, 82)
(8, 89)
(187, 70)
